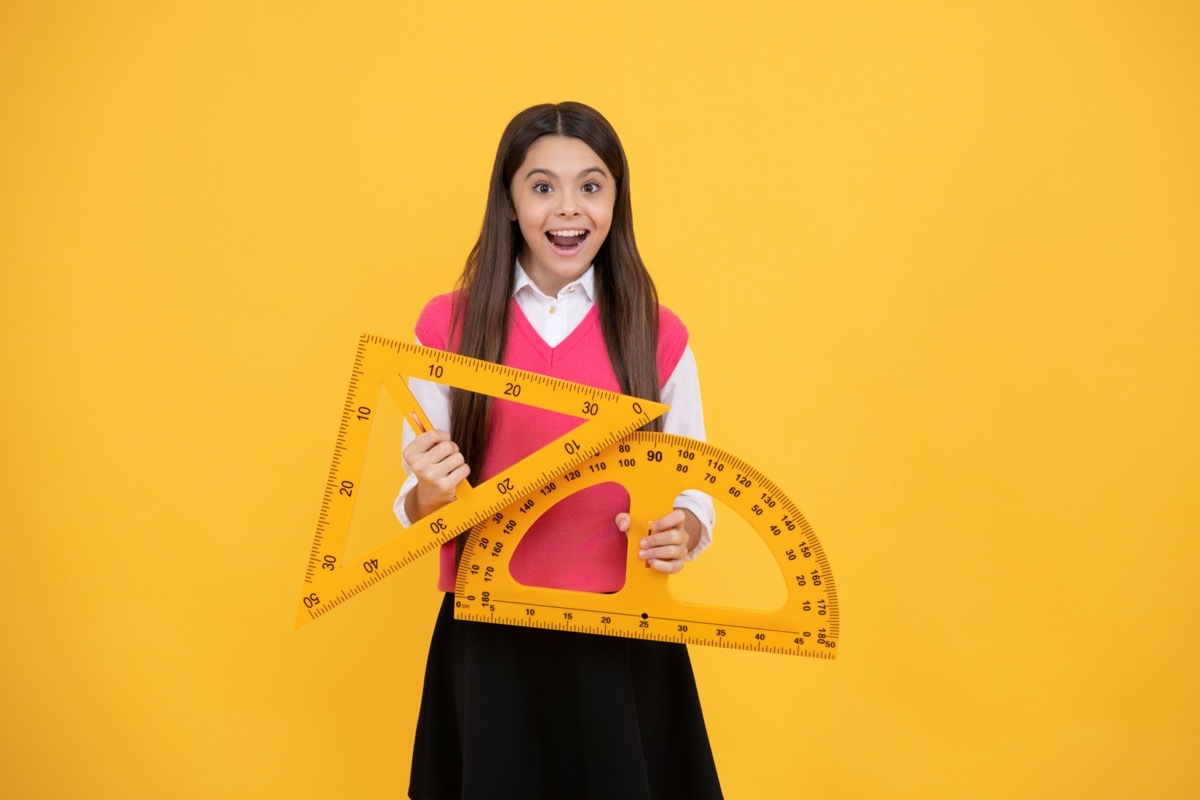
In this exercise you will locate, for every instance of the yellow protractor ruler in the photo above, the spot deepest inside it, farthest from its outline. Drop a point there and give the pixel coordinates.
(329, 580)
(654, 468)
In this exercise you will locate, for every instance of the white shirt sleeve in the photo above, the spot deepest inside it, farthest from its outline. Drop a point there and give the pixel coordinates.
(685, 418)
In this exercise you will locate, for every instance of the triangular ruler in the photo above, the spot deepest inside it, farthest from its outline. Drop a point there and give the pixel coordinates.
(329, 579)
(654, 468)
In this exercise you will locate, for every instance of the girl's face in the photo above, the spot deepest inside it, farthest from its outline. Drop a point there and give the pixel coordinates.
(562, 196)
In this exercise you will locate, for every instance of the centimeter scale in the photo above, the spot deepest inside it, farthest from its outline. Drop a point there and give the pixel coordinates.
(607, 446)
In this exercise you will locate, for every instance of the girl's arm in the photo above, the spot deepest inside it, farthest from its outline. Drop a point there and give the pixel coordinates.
(681, 535)
(686, 418)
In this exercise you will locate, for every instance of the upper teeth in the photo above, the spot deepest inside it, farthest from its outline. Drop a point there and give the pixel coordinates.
(569, 233)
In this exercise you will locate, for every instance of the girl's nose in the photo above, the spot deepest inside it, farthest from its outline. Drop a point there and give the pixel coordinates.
(567, 205)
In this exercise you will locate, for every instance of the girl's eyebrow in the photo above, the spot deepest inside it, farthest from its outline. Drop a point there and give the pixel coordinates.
(544, 171)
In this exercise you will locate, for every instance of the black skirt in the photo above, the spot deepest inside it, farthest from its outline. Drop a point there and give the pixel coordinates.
(529, 714)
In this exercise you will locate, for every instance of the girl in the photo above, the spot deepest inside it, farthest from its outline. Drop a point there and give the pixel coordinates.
(555, 285)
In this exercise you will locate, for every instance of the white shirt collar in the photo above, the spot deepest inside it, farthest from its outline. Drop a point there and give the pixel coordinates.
(586, 282)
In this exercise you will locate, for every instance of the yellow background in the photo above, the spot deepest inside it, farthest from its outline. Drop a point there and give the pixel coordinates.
(940, 266)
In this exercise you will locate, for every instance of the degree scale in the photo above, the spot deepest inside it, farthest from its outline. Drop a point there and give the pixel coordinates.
(607, 446)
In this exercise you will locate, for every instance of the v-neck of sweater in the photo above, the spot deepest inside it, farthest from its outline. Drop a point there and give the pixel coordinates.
(539, 345)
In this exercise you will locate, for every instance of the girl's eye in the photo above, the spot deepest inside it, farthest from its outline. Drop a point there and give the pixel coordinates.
(541, 188)
(591, 188)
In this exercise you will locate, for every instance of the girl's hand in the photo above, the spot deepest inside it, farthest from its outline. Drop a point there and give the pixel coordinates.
(439, 467)
(670, 539)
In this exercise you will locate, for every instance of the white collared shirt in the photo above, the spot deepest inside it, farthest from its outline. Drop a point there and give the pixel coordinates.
(554, 318)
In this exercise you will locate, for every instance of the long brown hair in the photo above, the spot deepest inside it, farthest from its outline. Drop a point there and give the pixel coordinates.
(628, 302)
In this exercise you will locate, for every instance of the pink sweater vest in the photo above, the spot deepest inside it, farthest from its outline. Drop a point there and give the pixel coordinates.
(576, 544)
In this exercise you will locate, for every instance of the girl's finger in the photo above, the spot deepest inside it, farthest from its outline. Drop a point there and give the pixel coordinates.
(672, 520)
(664, 539)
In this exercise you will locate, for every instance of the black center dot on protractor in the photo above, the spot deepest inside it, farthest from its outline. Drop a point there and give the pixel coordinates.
(645, 615)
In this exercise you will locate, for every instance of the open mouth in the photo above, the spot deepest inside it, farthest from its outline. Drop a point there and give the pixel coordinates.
(566, 242)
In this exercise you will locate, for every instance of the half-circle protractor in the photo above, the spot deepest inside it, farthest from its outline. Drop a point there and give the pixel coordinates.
(655, 468)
